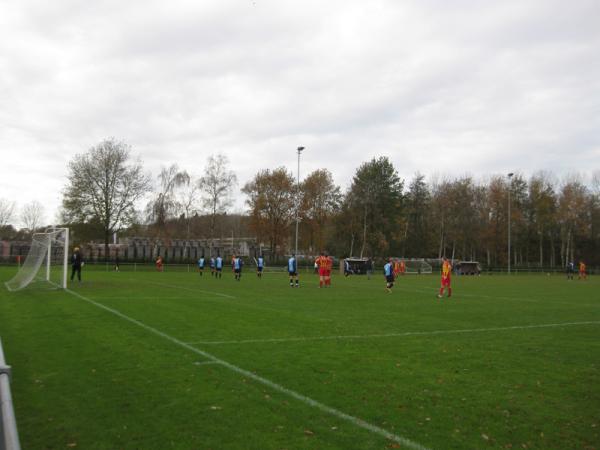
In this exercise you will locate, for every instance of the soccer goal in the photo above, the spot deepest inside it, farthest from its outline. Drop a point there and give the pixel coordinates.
(417, 266)
(46, 260)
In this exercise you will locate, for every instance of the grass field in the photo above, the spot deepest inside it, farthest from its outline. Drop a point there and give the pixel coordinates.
(150, 360)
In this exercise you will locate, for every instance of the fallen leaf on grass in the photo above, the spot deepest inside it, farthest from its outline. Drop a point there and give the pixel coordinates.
(308, 433)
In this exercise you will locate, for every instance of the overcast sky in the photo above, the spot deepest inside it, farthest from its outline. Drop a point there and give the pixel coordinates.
(440, 87)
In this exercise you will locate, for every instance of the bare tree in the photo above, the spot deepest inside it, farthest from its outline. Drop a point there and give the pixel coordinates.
(32, 215)
(102, 186)
(216, 187)
(165, 205)
(7, 209)
(187, 205)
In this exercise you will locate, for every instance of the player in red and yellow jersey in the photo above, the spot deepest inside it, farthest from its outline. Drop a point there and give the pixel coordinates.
(328, 269)
(396, 267)
(321, 263)
(402, 267)
(159, 263)
(582, 272)
(446, 272)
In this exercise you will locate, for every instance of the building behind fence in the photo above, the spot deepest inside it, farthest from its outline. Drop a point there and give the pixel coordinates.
(143, 249)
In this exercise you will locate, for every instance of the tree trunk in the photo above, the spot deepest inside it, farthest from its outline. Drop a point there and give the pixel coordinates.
(106, 241)
(362, 250)
(541, 249)
(441, 239)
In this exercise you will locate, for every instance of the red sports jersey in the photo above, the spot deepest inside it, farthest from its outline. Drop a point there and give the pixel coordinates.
(321, 262)
(446, 270)
(329, 264)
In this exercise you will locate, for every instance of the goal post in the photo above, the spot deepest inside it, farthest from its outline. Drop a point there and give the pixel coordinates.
(51, 248)
(417, 266)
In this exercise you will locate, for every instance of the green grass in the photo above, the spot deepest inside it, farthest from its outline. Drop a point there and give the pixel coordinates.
(85, 377)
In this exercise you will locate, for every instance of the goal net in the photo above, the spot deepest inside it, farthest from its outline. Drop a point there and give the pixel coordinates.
(417, 266)
(45, 262)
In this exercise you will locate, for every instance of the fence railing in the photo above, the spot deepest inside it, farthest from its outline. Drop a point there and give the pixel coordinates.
(8, 431)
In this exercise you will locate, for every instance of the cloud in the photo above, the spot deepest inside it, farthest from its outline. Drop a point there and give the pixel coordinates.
(438, 87)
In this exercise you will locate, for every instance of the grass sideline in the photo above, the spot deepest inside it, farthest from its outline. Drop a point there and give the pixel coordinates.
(507, 362)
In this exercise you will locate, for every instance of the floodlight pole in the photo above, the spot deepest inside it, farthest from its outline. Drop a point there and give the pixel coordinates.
(299, 150)
(510, 175)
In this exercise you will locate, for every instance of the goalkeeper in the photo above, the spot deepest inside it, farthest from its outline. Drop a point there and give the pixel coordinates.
(76, 264)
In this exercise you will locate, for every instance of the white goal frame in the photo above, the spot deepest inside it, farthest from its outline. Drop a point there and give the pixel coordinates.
(418, 266)
(22, 278)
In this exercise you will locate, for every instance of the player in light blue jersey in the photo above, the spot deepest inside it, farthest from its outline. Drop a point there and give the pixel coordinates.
(201, 265)
(388, 271)
(237, 264)
(212, 266)
(219, 266)
(293, 271)
(260, 265)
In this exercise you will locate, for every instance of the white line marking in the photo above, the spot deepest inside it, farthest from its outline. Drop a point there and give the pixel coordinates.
(205, 363)
(433, 291)
(156, 297)
(408, 333)
(190, 289)
(277, 387)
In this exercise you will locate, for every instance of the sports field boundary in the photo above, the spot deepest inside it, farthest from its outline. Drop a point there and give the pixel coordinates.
(277, 387)
(387, 335)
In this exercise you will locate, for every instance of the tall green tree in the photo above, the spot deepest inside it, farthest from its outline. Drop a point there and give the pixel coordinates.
(376, 197)
(541, 213)
(418, 218)
(573, 216)
(440, 214)
(104, 185)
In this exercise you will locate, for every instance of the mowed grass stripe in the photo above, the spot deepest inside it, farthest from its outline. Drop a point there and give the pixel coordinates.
(388, 335)
(304, 399)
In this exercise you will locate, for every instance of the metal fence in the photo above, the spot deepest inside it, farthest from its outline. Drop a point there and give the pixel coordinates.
(151, 267)
(8, 431)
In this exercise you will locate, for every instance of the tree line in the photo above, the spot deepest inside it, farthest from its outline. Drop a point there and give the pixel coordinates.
(551, 221)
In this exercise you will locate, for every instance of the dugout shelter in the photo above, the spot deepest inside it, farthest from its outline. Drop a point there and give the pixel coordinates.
(468, 268)
(358, 266)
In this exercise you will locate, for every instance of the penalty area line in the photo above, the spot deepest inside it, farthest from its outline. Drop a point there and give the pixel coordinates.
(190, 289)
(271, 384)
(387, 335)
